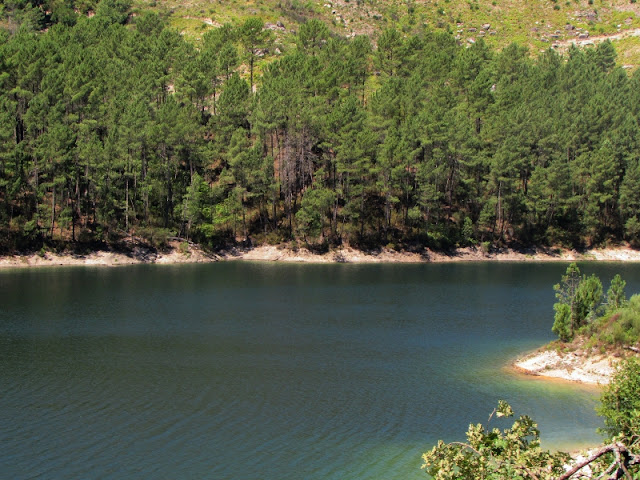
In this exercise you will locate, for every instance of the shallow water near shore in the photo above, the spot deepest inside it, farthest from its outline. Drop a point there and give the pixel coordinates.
(243, 370)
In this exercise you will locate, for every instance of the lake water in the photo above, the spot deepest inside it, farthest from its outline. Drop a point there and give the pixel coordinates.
(271, 371)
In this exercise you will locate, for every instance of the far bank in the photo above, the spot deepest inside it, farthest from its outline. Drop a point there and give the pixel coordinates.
(186, 252)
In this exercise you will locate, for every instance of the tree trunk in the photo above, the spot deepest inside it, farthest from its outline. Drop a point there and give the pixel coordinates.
(53, 209)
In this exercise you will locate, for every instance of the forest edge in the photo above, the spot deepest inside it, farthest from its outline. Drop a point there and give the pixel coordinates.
(187, 252)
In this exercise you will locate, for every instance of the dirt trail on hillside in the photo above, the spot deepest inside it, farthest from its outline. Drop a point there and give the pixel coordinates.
(593, 39)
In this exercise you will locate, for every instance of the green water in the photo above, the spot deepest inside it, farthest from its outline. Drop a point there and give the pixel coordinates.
(266, 371)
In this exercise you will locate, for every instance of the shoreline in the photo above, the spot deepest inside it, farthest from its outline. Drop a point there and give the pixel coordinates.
(577, 366)
(177, 254)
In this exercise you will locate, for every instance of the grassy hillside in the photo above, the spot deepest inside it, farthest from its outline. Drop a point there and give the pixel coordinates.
(539, 24)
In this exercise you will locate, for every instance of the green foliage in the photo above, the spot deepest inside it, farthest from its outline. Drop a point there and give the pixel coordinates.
(515, 453)
(579, 304)
(254, 37)
(622, 326)
(312, 36)
(620, 403)
(114, 11)
(491, 454)
(616, 297)
(311, 218)
(107, 128)
(632, 231)
(467, 232)
(587, 301)
(562, 325)
(579, 299)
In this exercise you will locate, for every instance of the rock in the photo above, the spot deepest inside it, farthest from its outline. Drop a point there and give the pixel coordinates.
(471, 41)
(583, 36)
(493, 32)
(569, 27)
(279, 24)
(486, 26)
(472, 30)
(544, 39)
(554, 37)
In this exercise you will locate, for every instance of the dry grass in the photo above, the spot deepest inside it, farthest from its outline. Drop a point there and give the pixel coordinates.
(538, 24)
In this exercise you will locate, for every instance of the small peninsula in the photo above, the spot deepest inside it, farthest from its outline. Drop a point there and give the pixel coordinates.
(579, 365)
(595, 331)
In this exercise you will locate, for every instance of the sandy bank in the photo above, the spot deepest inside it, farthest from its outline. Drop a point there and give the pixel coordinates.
(574, 363)
(194, 254)
(577, 366)
(136, 255)
(384, 255)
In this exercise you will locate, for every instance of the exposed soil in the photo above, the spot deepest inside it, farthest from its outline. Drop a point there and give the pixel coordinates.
(575, 364)
(191, 253)
(593, 39)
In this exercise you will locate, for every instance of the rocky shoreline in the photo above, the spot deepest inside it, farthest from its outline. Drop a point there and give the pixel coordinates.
(575, 366)
(181, 252)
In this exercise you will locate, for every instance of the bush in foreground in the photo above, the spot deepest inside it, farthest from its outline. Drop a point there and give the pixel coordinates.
(515, 452)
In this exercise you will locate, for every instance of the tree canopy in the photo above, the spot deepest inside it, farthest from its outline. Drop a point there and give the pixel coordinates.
(110, 125)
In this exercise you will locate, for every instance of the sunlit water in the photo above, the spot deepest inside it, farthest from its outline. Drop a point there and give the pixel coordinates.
(267, 371)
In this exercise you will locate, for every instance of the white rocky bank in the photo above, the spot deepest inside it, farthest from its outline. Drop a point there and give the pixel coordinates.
(575, 366)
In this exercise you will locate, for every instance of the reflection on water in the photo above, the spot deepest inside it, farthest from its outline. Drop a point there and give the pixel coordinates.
(240, 370)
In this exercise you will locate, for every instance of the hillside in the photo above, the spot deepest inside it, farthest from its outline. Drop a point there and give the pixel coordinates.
(114, 124)
(538, 24)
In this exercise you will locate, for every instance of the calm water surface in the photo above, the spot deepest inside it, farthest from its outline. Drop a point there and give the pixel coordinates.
(267, 371)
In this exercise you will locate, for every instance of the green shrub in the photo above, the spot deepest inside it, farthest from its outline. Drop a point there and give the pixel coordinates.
(619, 334)
(620, 401)
(183, 248)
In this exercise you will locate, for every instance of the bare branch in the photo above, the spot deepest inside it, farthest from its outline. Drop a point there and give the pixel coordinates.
(492, 414)
(587, 461)
(608, 470)
(623, 459)
(465, 445)
(530, 473)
